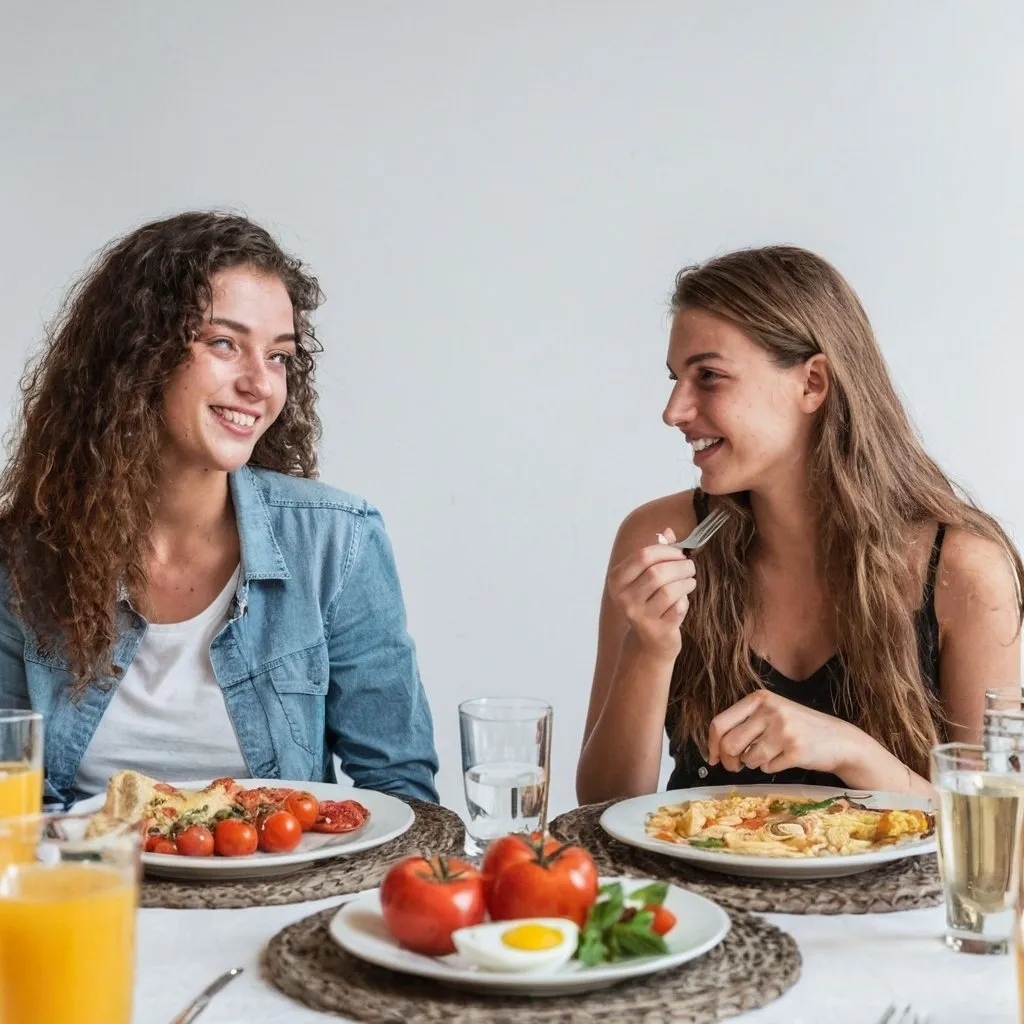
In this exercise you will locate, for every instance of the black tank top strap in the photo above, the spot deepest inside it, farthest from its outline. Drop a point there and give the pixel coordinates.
(933, 564)
(700, 505)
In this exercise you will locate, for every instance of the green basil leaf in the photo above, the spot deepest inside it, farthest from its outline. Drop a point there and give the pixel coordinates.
(632, 942)
(641, 921)
(652, 895)
(708, 844)
(592, 952)
(801, 809)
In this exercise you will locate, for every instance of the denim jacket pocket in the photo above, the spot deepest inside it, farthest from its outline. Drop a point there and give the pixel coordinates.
(299, 683)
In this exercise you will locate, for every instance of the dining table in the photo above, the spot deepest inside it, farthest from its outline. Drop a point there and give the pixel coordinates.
(854, 967)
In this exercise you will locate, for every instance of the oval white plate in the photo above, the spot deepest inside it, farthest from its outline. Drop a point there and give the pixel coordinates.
(625, 821)
(359, 929)
(389, 818)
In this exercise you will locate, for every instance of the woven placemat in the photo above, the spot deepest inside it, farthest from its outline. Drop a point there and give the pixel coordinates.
(899, 885)
(436, 829)
(754, 964)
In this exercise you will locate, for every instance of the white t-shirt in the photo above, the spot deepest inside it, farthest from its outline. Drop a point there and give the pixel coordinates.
(167, 718)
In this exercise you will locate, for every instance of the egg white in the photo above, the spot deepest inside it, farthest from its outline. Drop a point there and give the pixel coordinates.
(481, 944)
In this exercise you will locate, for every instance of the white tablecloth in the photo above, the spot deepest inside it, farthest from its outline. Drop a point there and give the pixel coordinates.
(853, 967)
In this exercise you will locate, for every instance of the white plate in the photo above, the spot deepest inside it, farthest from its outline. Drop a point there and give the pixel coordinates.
(625, 821)
(359, 929)
(389, 817)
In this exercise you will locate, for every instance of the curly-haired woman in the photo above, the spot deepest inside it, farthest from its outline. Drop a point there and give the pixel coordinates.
(179, 596)
(853, 609)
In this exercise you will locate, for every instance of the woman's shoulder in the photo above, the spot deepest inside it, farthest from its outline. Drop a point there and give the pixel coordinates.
(975, 571)
(284, 491)
(674, 512)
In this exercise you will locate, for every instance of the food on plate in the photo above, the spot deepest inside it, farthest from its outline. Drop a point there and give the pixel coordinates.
(551, 881)
(544, 903)
(424, 900)
(223, 818)
(532, 944)
(508, 850)
(620, 927)
(786, 826)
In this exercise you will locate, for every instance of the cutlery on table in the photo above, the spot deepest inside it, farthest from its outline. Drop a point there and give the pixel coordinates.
(201, 1001)
(902, 1015)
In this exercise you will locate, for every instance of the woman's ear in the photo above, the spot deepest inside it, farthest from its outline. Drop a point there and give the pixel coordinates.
(815, 382)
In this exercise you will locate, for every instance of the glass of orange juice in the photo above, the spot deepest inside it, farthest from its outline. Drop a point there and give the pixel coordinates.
(21, 762)
(68, 892)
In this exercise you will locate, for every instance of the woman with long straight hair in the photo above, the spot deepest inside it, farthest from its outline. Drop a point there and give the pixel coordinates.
(178, 596)
(854, 607)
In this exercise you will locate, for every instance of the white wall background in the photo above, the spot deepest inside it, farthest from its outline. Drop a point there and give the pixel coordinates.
(496, 197)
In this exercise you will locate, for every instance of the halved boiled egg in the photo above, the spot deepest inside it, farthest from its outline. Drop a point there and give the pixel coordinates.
(529, 944)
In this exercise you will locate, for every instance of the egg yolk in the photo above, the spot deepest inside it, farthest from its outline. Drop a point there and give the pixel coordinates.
(532, 937)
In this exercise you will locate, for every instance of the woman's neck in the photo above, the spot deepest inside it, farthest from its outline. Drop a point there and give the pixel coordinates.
(193, 508)
(786, 520)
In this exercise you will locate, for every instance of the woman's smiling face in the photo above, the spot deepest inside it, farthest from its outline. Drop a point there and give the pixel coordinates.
(220, 401)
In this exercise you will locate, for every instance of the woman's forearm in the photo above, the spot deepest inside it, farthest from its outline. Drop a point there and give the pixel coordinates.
(622, 755)
(871, 766)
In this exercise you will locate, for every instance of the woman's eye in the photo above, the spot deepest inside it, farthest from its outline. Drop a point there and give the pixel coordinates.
(706, 376)
(222, 343)
(283, 358)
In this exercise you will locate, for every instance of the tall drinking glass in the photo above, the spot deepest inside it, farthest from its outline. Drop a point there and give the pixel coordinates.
(980, 817)
(21, 762)
(506, 753)
(67, 920)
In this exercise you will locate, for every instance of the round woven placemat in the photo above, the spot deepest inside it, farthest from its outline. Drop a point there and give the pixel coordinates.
(436, 829)
(754, 964)
(899, 885)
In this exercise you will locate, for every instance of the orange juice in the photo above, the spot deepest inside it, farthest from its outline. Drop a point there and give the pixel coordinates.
(21, 789)
(67, 936)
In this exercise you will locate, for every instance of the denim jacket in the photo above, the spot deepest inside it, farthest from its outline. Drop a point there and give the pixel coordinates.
(315, 659)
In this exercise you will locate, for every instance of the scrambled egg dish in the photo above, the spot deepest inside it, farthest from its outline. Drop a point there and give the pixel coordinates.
(786, 826)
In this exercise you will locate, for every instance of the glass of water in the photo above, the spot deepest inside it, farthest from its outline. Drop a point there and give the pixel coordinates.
(506, 755)
(980, 818)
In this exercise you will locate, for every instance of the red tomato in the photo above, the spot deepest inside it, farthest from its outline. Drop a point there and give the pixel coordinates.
(424, 901)
(562, 883)
(509, 850)
(160, 844)
(195, 841)
(280, 832)
(234, 838)
(340, 816)
(664, 920)
(305, 807)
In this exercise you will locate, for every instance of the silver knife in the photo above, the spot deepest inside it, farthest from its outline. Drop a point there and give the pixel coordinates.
(201, 1001)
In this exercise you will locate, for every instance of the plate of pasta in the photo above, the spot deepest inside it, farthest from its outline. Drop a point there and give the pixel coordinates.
(777, 831)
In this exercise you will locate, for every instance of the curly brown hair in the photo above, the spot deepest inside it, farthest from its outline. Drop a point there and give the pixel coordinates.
(77, 495)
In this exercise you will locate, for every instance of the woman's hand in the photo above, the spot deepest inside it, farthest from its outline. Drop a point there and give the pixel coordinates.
(766, 731)
(652, 589)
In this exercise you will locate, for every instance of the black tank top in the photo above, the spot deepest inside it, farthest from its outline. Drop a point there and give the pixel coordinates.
(822, 691)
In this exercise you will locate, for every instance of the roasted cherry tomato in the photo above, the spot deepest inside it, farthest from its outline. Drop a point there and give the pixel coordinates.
(195, 841)
(160, 844)
(424, 901)
(279, 832)
(556, 883)
(509, 850)
(234, 838)
(340, 816)
(305, 807)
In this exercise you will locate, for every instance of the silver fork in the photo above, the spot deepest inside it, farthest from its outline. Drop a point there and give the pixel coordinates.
(902, 1015)
(201, 1001)
(703, 532)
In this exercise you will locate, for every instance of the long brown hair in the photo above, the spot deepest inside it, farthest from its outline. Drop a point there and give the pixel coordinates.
(872, 483)
(77, 495)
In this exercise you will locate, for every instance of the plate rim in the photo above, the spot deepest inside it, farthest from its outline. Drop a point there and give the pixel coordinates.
(554, 982)
(817, 866)
(237, 867)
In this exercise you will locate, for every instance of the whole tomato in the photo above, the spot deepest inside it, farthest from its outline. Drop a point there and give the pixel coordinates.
(424, 901)
(509, 850)
(279, 832)
(305, 807)
(195, 841)
(557, 883)
(234, 838)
